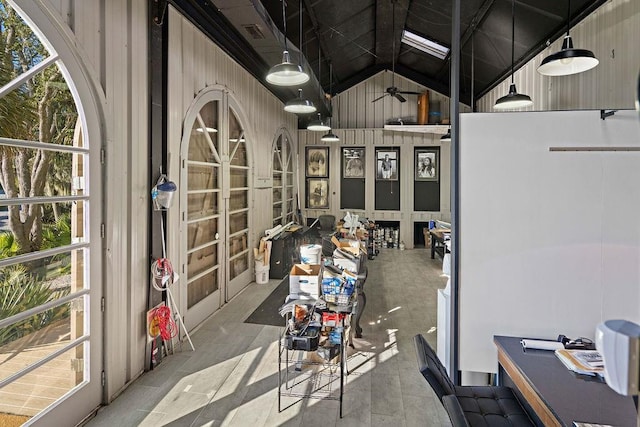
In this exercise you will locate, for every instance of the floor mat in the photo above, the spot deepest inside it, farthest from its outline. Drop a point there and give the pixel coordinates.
(267, 312)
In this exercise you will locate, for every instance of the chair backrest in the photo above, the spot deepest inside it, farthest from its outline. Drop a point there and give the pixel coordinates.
(432, 369)
(327, 222)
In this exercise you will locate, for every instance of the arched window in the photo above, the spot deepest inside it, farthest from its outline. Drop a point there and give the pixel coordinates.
(284, 193)
(216, 187)
(44, 228)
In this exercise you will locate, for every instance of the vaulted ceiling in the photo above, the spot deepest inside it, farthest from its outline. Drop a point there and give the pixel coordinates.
(355, 39)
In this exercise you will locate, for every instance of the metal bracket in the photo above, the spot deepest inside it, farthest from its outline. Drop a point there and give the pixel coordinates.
(158, 10)
(604, 113)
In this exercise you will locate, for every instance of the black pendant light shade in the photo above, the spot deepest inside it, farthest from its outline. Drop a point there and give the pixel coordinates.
(447, 136)
(512, 100)
(568, 60)
(330, 137)
(286, 73)
(318, 125)
(300, 105)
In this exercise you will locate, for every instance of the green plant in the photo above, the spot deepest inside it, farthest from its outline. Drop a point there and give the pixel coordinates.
(8, 245)
(21, 291)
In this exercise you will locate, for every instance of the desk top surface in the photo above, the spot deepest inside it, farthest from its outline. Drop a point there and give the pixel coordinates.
(569, 397)
(439, 232)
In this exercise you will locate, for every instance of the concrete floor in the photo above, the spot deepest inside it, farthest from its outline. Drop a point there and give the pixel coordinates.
(232, 377)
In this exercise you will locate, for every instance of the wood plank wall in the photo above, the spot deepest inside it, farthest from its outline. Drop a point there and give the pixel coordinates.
(360, 122)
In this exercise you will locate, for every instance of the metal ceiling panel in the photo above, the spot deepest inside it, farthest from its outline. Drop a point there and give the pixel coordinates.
(356, 37)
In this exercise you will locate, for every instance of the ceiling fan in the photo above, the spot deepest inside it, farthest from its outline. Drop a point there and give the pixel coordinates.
(392, 90)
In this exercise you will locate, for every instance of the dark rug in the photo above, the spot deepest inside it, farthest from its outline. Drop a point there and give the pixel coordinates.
(267, 312)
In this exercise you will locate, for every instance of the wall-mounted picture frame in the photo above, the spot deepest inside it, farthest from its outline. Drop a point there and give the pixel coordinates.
(317, 162)
(387, 165)
(427, 165)
(353, 162)
(317, 193)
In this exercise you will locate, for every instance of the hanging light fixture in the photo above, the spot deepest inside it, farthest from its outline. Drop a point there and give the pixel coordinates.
(330, 136)
(447, 136)
(513, 99)
(287, 73)
(318, 125)
(568, 60)
(300, 105)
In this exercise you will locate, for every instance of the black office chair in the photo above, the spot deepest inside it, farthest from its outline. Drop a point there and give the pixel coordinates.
(326, 229)
(473, 406)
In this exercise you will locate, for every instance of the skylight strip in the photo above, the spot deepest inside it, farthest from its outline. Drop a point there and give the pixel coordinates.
(424, 45)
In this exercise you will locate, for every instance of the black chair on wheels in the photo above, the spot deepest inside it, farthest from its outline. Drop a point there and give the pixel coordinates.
(469, 406)
(327, 229)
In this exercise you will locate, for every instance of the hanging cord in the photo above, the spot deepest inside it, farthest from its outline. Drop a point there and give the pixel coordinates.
(300, 11)
(513, 35)
(284, 24)
(165, 323)
(162, 274)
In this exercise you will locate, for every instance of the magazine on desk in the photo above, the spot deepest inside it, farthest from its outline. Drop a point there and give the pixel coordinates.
(585, 362)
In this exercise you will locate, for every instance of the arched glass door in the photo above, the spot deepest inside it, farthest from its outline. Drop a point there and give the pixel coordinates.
(284, 193)
(237, 212)
(201, 248)
(215, 205)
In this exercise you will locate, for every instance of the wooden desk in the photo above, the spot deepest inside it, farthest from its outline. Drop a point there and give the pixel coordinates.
(556, 395)
(437, 242)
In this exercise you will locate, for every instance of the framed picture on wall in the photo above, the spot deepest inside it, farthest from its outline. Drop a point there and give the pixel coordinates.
(317, 193)
(317, 161)
(353, 162)
(427, 165)
(386, 165)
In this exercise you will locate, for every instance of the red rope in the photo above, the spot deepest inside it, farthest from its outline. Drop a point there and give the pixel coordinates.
(166, 324)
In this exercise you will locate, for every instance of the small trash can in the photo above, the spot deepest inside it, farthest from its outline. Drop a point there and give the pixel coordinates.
(262, 273)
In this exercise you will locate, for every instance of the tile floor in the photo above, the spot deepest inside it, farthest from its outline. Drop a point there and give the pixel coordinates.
(232, 377)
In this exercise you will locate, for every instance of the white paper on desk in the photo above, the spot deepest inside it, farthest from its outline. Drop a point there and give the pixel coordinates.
(542, 344)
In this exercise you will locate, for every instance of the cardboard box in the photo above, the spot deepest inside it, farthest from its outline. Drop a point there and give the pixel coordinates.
(305, 281)
(354, 246)
(350, 264)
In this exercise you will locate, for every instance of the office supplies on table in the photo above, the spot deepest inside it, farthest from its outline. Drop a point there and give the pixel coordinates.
(584, 362)
(541, 344)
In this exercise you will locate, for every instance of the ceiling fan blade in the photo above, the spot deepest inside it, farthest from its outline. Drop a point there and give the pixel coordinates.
(399, 97)
(379, 98)
(408, 92)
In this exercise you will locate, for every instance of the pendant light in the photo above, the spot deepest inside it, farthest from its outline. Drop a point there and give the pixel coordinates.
(300, 105)
(447, 136)
(513, 99)
(568, 60)
(287, 73)
(318, 125)
(330, 136)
